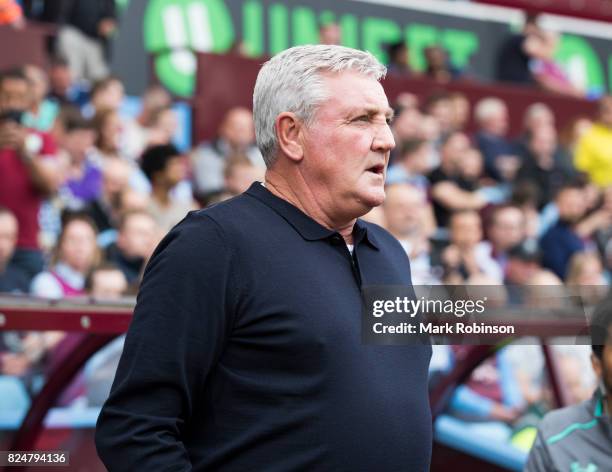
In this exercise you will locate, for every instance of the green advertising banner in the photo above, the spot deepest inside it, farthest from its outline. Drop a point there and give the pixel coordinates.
(163, 35)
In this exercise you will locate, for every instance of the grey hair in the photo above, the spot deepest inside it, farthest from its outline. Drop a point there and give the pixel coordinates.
(291, 81)
(487, 108)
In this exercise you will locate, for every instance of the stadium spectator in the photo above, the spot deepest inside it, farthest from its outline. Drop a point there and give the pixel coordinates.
(106, 282)
(526, 196)
(537, 115)
(138, 133)
(240, 173)
(409, 218)
(63, 89)
(592, 153)
(137, 237)
(467, 255)
(104, 210)
(75, 256)
(406, 124)
(42, 112)
(500, 159)
(460, 111)
(540, 46)
(512, 60)
(84, 37)
(108, 127)
(439, 106)
(165, 167)
(12, 278)
(330, 33)
(106, 94)
(399, 59)
(236, 135)
(543, 164)
(578, 436)
(571, 134)
(438, 66)
(164, 124)
(585, 275)
(411, 164)
(506, 229)
(562, 241)
(523, 261)
(28, 166)
(449, 190)
(84, 177)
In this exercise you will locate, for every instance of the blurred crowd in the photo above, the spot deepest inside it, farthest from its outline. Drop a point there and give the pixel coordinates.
(88, 190)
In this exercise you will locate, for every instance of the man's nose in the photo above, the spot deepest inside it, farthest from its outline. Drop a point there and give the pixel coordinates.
(384, 140)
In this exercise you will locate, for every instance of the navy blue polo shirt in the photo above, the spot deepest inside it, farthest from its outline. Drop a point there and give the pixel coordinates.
(245, 352)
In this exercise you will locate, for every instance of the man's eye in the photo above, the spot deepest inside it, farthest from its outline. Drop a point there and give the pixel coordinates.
(389, 121)
(362, 118)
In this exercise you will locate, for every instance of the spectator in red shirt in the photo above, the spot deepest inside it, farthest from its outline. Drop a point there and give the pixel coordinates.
(28, 169)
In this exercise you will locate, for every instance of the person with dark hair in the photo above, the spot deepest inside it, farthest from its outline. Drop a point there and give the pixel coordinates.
(543, 164)
(29, 170)
(562, 240)
(76, 139)
(512, 60)
(165, 167)
(411, 164)
(438, 66)
(399, 58)
(579, 437)
(63, 88)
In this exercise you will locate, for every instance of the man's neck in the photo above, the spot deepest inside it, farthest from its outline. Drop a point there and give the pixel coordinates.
(308, 203)
(161, 194)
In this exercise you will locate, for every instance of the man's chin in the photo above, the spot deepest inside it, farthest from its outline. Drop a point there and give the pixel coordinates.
(375, 196)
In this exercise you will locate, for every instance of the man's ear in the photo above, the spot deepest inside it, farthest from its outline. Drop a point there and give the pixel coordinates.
(288, 132)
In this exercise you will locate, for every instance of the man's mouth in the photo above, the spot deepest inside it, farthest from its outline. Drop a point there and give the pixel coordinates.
(377, 169)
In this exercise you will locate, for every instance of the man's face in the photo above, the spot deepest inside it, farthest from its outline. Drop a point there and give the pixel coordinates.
(454, 148)
(175, 170)
(346, 148)
(543, 142)
(507, 229)
(571, 205)
(238, 129)
(108, 284)
(60, 79)
(8, 237)
(466, 230)
(497, 123)
(78, 142)
(13, 94)
(404, 208)
(137, 236)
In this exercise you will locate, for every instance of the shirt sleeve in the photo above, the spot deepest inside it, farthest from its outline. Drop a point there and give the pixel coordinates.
(182, 318)
(539, 456)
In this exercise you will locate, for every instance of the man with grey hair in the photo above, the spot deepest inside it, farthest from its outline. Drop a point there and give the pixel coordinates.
(500, 159)
(245, 351)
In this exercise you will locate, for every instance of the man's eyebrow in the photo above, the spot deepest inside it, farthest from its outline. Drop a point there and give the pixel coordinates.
(388, 112)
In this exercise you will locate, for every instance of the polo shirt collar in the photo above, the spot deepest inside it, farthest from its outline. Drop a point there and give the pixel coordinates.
(308, 228)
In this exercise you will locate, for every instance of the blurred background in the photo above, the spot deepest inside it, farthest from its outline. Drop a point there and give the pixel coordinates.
(118, 117)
